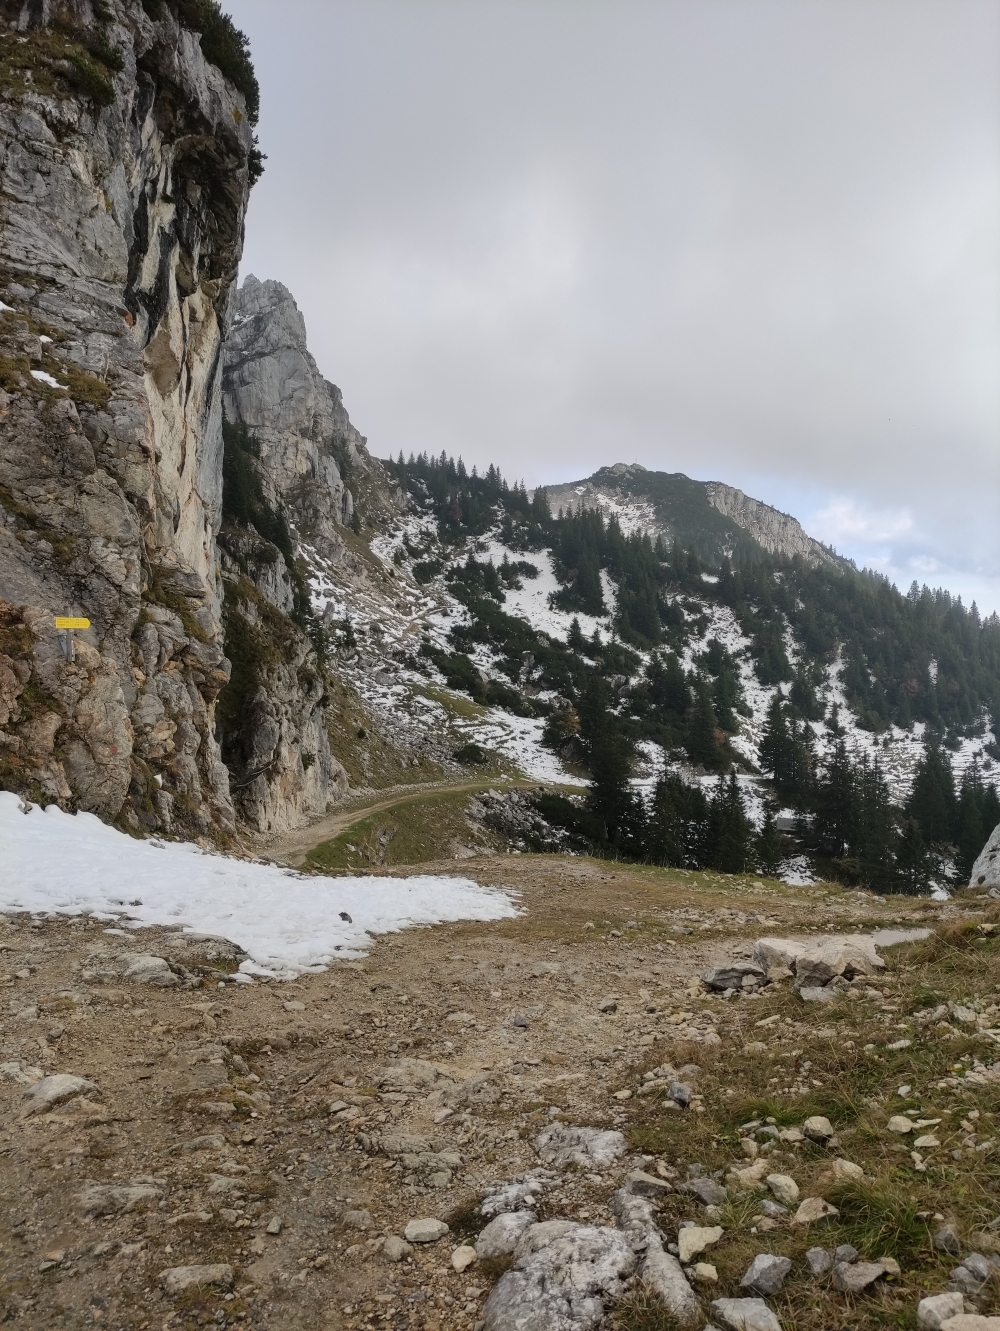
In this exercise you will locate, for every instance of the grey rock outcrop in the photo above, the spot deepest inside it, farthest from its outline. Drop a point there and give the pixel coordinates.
(316, 462)
(120, 235)
(986, 870)
(776, 532)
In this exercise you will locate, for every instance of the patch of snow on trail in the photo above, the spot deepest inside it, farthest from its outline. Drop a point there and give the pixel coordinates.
(286, 922)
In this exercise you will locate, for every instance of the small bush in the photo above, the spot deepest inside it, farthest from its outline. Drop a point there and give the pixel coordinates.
(880, 1218)
(472, 755)
(90, 81)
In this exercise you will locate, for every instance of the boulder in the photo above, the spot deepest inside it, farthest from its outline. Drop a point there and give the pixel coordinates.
(707, 1190)
(818, 1128)
(112, 1198)
(647, 1185)
(986, 870)
(776, 954)
(971, 1322)
(147, 969)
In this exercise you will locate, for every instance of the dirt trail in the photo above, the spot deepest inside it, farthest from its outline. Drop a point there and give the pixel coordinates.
(293, 847)
(289, 1132)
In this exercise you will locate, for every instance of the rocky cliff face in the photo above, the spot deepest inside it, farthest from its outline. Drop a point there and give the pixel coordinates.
(300, 486)
(312, 458)
(775, 532)
(124, 161)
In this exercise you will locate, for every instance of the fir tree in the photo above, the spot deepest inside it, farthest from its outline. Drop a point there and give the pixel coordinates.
(701, 740)
(768, 847)
(913, 864)
(932, 803)
(730, 830)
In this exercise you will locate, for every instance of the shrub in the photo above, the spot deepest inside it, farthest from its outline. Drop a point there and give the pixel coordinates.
(90, 81)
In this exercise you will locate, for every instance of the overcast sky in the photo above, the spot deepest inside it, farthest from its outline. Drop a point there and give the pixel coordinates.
(752, 240)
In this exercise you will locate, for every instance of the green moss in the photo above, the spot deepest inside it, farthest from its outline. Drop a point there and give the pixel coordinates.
(158, 592)
(89, 80)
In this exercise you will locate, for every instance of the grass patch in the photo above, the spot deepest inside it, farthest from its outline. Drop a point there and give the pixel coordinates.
(881, 1218)
(642, 1311)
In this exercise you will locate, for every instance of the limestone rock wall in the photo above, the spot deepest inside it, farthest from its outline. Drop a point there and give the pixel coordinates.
(120, 234)
(777, 533)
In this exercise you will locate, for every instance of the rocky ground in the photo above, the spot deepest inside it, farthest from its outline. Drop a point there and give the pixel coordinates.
(738, 1155)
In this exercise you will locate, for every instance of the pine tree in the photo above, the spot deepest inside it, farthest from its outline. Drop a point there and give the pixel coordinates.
(701, 740)
(730, 830)
(575, 639)
(768, 847)
(932, 802)
(832, 826)
(913, 864)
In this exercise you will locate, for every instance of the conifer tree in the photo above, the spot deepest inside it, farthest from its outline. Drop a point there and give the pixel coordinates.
(768, 847)
(931, 803)
(730, 830)
(701, 741)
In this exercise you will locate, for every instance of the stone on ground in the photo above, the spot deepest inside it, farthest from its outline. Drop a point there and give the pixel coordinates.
(971, 1322)
(177, 1279)
(745, 1315)
(145, 969)
(784, 1188)
(425, 1230)
(731, 975)
(706, 1190)
(661, 1272)
(812, 1210)
(853, 1277)
(51, 1091)
(647, 1185)
(395, 1249)
(818, 1128)
(111, 1198)
(563, 1286)
(819, 1260)
(933, 1311)
(695, 1239)
(766, 1273)
(464, 1257)
(590, 1148)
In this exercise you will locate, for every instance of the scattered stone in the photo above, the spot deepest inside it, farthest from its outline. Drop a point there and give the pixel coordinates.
(926, 1143)
(771, 1209)
(111, 1198)
(607, 1005)
(847, 1170)
(745, 1315)
(145, 969)
(818, 1128)
(818, 994)
(732, 975)
(946, 1240)
(766, 1273)
(363, 1220)
(293, 1005)
(426, 1230)
(845, 1253)
(395, 1249)
(511, 1197)
(274, 1225)
(705, 1272)
(899, 1123)
(591, 1149)
(784, 1188)
(891, 1267)
(502, 1234)
(792, 1136)
(177, 1279)
(463, 1257)
(935, 1310)
(213, 1141)
(22, 1074)
(562, 1285)
(694, 1239)
(706, 1190)
(819, 1260)
(661, 1272)
(51, 1091)
(853, 1277)
(647, 1185)
(680, 1092)
(812, 1210)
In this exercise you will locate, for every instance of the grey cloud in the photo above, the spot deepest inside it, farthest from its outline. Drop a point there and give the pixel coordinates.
(751, 241)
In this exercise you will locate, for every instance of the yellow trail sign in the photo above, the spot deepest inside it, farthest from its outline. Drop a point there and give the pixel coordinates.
(72, 623)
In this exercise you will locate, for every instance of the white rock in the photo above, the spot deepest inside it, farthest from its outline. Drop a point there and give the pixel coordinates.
(971, 1322)
(695, 1239)
(784, 1188)
(847, 1170)
(395, 1249)
(177, 1279)
(705, 1273)
(818, 994)
(51, 1091)
(812, 1210)
(22, 1074)
(563, 1285)
(745, 1315)
(899, 1123)
(818, 1128)
(425, 1230)
(936, 1309)
(501, 1235)
(662, 1273)
(463, 1257)
(591, 1149)
(986, 870)
(111, 1198)
(147, 969)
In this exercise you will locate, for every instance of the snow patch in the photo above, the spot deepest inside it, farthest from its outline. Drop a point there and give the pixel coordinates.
(288, 923)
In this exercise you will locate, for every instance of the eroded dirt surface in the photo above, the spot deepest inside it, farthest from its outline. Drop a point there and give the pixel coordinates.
(287, 1129)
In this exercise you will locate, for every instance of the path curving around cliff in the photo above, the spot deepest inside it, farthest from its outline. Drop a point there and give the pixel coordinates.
(293, 847)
